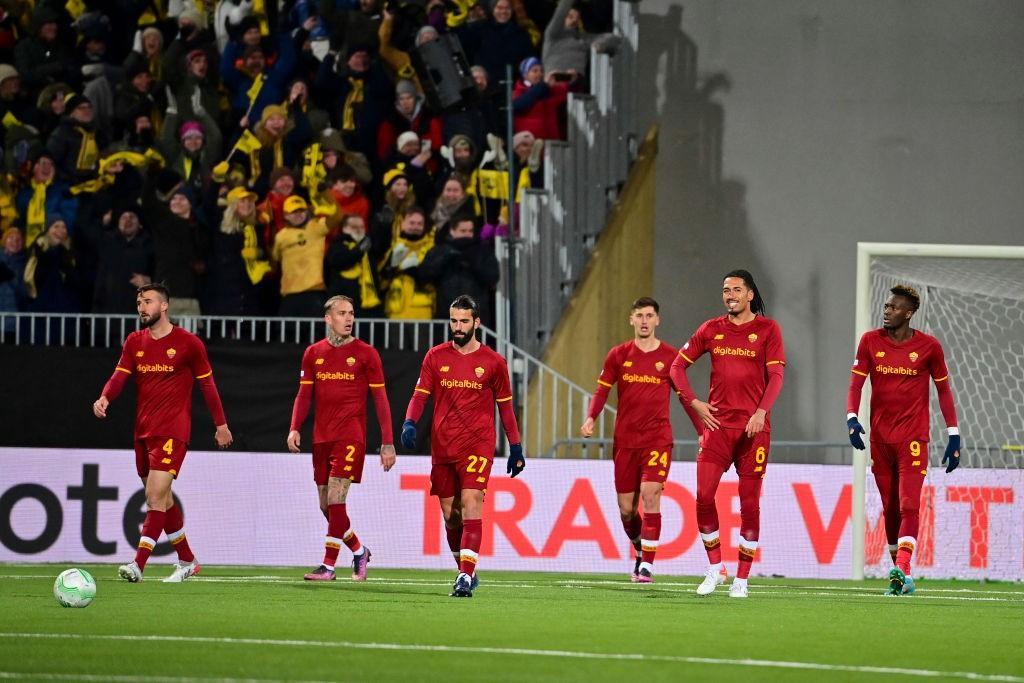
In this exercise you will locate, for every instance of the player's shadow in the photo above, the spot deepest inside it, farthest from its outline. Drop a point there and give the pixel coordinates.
(704, 227)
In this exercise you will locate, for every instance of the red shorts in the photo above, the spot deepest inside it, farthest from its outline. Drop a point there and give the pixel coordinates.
(725, 447)
(908, 457)
(159, 453)
(469, 472)
(634, 466)
(338, 459)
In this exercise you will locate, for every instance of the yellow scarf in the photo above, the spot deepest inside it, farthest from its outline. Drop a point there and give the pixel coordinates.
(255, 267)
(88, 152)
(106, 179)
(367, 289)
(355, 97)
(35, 221)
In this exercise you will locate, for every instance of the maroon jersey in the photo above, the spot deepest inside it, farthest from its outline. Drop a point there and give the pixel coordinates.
(341, 377)
(900, 374)
(164, 370)
(465, 388)
(645, 392)
(740, 357)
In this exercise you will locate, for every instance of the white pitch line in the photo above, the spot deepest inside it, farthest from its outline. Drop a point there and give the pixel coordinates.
(660, 587)
(134, 678)
(563, 654)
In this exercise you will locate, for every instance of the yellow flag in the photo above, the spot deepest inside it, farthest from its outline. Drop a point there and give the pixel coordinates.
(248, 143)
(254, 90)
(11, 120)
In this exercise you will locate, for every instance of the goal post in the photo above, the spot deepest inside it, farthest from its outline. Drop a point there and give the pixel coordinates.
(960, 285)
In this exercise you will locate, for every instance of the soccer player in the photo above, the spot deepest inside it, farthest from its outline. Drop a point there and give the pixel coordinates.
(747, 361)
(642, 448)
(465, 378)
(900, 360)
(164, 359)
(338, 371)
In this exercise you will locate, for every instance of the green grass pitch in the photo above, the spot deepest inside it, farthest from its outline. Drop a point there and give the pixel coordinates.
(263, 624)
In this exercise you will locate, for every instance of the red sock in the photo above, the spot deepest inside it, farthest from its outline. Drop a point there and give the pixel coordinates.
(632, 527)
(650, 535)
(151, 529)
(750, 523)
(747, 550)
(708, 476)
(472, 529)
(174, 527)
(455, 541)
(338, 532)
(910, 506)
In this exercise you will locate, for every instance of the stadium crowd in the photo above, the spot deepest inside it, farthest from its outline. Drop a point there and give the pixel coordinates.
(258, 157)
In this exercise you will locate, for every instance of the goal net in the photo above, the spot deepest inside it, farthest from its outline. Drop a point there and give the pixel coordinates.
(972, 300)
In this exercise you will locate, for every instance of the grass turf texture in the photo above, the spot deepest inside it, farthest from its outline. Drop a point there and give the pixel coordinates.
(268, 624)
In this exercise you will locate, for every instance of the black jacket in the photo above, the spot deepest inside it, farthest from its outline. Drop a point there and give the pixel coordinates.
(457, 267)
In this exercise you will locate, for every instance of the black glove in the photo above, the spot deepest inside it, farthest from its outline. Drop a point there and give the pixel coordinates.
(855, 431)
(409, 434)
(952, 453)
(516, 460)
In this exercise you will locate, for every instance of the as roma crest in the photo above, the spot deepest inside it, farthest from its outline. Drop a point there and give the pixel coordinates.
(479, 371)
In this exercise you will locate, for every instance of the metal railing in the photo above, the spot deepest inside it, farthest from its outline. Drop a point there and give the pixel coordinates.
(559, 224)
(105, 330)
(556, 412)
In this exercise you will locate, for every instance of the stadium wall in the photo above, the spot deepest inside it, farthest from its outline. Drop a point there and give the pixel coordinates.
(49, 391)
(620, 270)
(814, 126)
(60, 505)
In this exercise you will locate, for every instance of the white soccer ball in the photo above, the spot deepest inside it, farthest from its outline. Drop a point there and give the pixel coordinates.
(74, 588)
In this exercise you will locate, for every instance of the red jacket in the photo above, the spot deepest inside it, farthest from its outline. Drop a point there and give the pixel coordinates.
(535, 108)
(424, 124)
(356, 204)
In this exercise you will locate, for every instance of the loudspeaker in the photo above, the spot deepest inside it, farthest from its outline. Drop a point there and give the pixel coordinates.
(444, 72)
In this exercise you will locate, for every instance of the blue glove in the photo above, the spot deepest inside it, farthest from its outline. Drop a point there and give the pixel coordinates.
(855, 431)
(516, 461)
(409, 434)
(952, 453)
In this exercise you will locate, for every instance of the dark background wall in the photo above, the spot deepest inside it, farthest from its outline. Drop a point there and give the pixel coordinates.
(791, 130)
(48, 394)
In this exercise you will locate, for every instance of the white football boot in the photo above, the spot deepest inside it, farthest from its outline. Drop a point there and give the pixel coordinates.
(182, 571)
(712, 579)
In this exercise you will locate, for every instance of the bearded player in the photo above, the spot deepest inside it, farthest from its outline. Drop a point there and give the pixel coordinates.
(900, 360)
(642, 447)
(747, 361)
(338, 371)
(164, 359)
(466, 379)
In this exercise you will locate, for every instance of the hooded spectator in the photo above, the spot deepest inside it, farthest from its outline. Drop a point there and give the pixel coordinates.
(409, 114)
(126, 262)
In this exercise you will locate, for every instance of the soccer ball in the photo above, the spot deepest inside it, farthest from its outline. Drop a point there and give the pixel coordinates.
(74, 588)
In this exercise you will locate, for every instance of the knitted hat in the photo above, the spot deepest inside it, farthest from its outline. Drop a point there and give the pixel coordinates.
(295, 203)
(331, 140)
(185, 191)
(194, 54)
(249, 22)
(461, 141)
(273, 110)
(73, 101)
(527, 64)
(190, 128)
(406, 87)
(7, 71)
(406, 138)
(135, 68)
(394, 174)
(191, 15)
(280, 172)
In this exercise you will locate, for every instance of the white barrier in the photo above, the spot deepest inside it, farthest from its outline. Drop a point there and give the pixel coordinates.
(559, 515)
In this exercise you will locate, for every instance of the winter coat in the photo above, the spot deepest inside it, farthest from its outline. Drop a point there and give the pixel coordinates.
(535, 108)
(349, 271)
(119, 260)
(464, 266)
(405, 297)
(493, 45)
